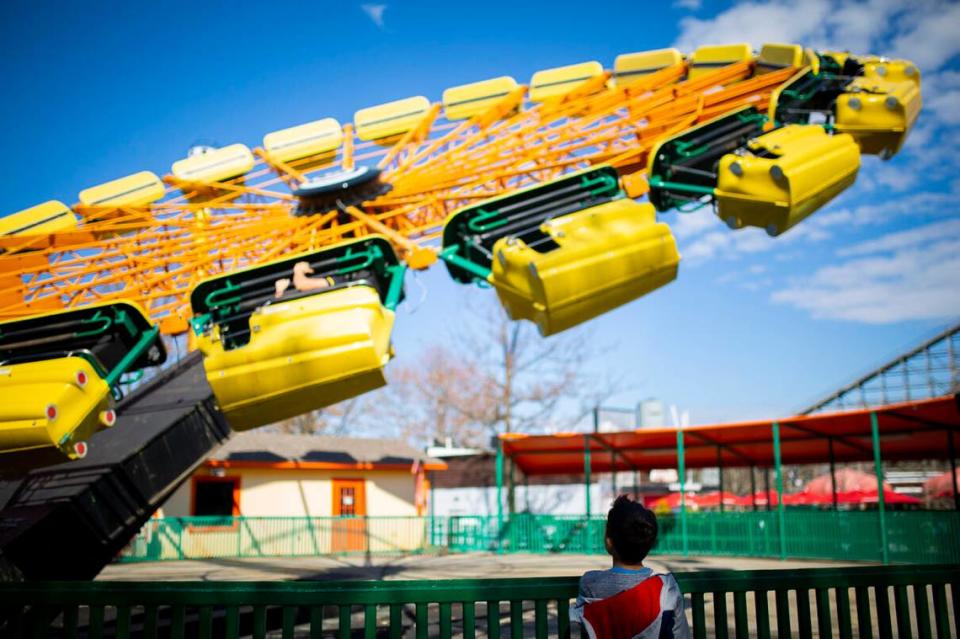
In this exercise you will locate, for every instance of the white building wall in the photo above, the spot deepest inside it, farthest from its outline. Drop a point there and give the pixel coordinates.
(297, 493)
(554, 499)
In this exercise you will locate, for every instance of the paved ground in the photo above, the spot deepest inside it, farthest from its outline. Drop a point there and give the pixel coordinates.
(473, 565)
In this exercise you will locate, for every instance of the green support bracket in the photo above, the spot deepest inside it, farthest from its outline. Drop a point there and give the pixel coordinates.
(146, 341)
(98, 317)
(199, 322)
(682, 472)
(486, 221)
(603, 181)
(781, 519)
(450, 255)
(397, 274)
(369, 255)
(881, 501)
(659, 183)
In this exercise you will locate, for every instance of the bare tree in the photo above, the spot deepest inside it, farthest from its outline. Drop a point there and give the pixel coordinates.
(492, 376)
(332, 420)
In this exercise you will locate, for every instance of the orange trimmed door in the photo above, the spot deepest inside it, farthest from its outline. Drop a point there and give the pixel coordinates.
(349, 503)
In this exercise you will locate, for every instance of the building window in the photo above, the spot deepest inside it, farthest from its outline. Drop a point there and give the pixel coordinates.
(216, 497)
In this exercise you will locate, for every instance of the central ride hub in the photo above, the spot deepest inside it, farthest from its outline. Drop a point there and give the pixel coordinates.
(346, 188)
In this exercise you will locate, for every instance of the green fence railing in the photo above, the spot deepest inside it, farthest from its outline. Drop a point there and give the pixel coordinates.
(903, 601)
(921, 537)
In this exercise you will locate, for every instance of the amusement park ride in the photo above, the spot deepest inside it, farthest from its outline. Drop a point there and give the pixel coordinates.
(546, 192)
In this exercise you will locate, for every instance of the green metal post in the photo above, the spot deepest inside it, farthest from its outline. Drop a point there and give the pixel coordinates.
(720, 474)
(433, 542)
(780, 512)
(682, 472)
(499, 496)
(753, 489)
(953, 469)
(833, 472)
(881, 502)
(766, 488)
(586, 470)
(511, 491)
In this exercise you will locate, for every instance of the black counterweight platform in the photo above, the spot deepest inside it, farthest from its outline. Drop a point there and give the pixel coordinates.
(70, 520)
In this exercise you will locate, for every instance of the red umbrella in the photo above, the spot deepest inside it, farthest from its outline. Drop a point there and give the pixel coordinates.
(712, 500)
(763, 499)
(872, 497)
(805, 498)
(941, 485)
(847, 479)
(672, 502)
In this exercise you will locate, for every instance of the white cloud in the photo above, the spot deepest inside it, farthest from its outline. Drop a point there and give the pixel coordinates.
(905, 239)
(375, 13)
(727, 243)
(688, 225)
(924, 31)
(932, 40)
(906, 275)
(756, 22)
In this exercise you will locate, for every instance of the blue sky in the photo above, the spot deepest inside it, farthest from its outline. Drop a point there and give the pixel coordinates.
(752, 327)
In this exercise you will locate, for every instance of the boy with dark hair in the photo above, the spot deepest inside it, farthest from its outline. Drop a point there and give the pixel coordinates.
(629, 601)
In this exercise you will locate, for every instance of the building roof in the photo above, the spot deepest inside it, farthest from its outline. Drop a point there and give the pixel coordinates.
(284, 450)
(911, 430)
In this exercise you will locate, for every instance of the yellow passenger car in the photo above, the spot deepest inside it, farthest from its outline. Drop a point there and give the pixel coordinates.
(59, 375)
(561, 252)
(784, 176)
(270, 357)
(606, 255)
(878, 113)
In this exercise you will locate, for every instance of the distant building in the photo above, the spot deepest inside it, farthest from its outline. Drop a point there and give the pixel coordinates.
(469, 487)
(651, 414)
(259, 474)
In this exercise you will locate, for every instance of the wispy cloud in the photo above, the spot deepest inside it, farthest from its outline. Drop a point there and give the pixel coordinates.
(375, 13)
(923, 31)
(905, 275)
(689, 5)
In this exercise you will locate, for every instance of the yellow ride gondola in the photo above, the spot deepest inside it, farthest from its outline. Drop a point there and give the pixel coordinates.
(49, 217)
(562, 252)
(775, 56)
(709, 58)
(108, 200)
(60, 373)
(319, 139)
(878, 108)
(559, 81)
(878, 113)
(783, 176)
(468, 100)
(203, 172)
(771, 180)
(631, 68)
(384, 123)
(270, 358)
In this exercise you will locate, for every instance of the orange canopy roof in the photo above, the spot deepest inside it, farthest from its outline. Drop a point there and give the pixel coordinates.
(911, 430)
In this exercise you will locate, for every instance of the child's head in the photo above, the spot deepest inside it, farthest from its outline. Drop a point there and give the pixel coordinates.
(631, 531)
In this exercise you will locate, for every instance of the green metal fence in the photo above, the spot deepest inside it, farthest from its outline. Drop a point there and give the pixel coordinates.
(866, 602)
(922, 537)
